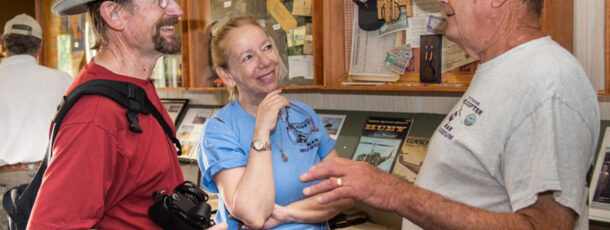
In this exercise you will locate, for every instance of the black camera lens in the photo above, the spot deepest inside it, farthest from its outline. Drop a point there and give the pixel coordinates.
(201, 213)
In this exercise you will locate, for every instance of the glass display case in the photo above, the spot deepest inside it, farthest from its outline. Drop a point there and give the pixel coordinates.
(312, 37)
(290, 24)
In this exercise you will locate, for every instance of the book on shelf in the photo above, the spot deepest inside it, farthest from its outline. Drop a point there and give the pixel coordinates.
(351, 80)
(381, 140)
(376, 78)
(410, 158)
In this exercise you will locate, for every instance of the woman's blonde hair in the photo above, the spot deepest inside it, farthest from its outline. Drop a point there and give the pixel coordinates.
(220, 53)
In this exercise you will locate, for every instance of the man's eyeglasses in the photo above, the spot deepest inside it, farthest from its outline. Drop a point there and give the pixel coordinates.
(163, 3)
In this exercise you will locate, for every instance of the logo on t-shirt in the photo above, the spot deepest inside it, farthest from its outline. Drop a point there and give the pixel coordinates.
(470, 119)
(469, 106)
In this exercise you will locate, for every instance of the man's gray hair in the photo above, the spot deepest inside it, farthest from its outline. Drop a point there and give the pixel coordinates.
(21, 44)
(99, 25)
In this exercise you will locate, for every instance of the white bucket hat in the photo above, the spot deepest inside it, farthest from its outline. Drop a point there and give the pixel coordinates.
(23, 24)
(70, 7)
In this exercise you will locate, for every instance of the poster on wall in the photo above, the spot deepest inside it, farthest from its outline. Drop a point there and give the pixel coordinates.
(599, 192)
(189, 130)
(332, 123)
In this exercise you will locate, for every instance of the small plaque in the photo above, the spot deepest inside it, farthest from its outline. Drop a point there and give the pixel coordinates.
(430, 58)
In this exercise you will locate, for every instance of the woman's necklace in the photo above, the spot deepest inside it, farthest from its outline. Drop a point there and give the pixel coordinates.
(281, 147)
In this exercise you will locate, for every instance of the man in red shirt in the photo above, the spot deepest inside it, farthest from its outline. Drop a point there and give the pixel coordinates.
(101, 174)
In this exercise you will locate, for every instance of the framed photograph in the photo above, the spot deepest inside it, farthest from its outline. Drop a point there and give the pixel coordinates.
(599, 192)
(332, 123)
(189, 130)
(175, 108)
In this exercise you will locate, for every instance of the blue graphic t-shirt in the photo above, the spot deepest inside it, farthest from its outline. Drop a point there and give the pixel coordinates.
(225, 144)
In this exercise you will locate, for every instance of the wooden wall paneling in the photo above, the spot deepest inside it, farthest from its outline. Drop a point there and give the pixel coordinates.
(186, 79)
(318, 47)
(607, 48)
(195, 48)
(558, 21)
(39, 15)
(333, 42)
(50, 26)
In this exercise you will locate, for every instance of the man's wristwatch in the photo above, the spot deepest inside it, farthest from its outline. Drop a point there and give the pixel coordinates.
(260, 145)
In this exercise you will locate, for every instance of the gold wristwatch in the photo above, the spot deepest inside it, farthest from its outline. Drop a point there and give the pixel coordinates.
(260, 145)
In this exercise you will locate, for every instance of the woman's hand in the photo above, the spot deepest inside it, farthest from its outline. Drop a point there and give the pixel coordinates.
(268, 112)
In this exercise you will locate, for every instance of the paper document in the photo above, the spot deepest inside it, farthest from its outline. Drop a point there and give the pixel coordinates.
(369, 51)
(454, 56)
(300, 66)
(301, 8)
(417, 24)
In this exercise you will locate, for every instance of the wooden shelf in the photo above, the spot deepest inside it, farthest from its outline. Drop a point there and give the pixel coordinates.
(212, 89)
(199, 89)
(603, 93)
(171, 88)
(424, 88)
(300, 87)
(416, 87)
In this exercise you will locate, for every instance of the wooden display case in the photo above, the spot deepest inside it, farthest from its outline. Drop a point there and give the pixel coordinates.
(198, 17)
(606, 90)
(336, 72)
(328, 34)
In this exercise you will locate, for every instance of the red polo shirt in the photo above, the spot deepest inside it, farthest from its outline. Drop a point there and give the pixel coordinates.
(102, 175)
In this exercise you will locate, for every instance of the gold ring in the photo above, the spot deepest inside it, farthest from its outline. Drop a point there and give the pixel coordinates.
(339, 184)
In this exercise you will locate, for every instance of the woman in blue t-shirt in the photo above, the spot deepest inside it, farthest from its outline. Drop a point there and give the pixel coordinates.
(254, 149)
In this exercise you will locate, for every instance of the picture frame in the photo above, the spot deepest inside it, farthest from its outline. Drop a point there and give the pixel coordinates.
(333, 123)
(175, 107)
(599, 191)
(189, 130)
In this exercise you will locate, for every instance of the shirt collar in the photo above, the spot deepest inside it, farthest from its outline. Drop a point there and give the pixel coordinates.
(19, 59)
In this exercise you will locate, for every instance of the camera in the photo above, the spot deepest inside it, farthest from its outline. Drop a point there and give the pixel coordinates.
(185, 209)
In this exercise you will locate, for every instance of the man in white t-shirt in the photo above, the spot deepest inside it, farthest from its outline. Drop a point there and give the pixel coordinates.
(29, 95)
(513, 153)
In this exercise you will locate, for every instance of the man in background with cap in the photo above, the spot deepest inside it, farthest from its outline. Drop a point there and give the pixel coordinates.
(29, 94)
(513, 153)
(102, 175)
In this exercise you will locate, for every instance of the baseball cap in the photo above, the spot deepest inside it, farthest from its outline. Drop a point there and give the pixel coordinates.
(70, 7)
(367, 15)
(23, 24)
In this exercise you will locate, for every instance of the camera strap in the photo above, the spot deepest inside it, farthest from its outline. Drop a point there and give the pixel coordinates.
(125, 94)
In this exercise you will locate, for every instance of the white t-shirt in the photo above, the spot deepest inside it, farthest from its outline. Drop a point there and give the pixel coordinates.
(29, 95)
(528, 123)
